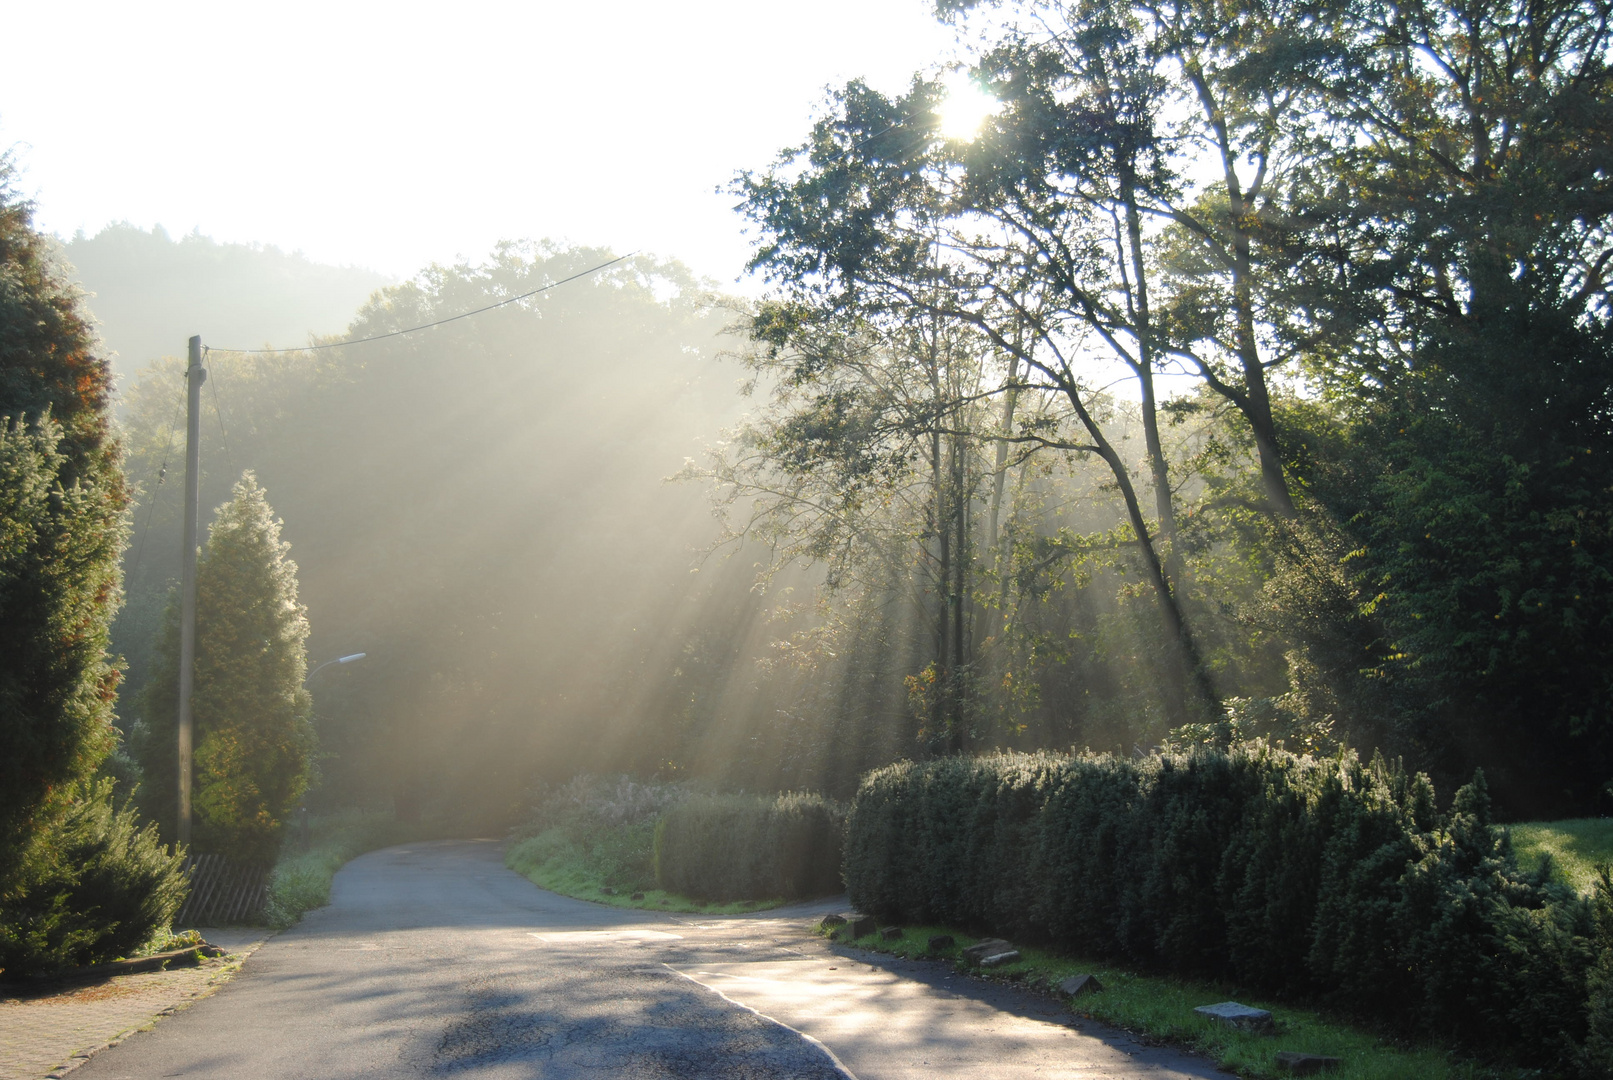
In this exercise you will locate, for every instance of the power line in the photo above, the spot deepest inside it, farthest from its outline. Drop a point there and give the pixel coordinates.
(429, 325)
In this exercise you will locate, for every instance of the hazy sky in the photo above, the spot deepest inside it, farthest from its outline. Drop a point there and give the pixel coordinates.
(390, 135)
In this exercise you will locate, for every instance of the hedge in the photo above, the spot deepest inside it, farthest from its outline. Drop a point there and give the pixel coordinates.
(750, 847)
(1333, 879)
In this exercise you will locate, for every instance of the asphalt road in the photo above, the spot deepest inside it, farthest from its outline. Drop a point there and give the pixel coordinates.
(433, 960)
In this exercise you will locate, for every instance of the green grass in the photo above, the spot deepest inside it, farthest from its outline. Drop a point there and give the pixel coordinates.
(302, 876)
(552, 860)
(1160, 1009)
(1576, 847)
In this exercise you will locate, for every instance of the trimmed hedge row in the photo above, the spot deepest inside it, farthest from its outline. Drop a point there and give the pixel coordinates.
(1334, 879)
(750, 847)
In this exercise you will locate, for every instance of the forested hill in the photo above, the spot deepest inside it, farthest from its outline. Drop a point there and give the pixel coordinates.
(151, 292)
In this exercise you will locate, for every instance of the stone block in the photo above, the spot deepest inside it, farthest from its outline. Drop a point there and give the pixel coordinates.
(941, 941)
(984, 948)
(832, 922)
(1239, 1016)
(1299, 1064)
(857, 926)
(891, 933)
(999, 959)
(1076, 985)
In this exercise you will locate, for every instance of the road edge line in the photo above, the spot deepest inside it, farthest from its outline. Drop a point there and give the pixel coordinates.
(834, 1059)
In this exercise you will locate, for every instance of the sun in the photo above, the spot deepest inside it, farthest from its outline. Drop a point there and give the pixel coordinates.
(964, 107)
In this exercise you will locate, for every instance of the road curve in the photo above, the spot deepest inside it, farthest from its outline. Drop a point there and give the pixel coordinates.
(433, 960)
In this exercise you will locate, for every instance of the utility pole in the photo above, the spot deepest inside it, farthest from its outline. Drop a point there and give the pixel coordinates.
(195, 375)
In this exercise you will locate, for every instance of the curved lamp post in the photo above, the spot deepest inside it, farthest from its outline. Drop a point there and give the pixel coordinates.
(338, 660)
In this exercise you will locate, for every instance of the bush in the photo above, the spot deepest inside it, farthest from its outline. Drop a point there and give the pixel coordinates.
(750, 847)
(96, 886)
(1283, 873)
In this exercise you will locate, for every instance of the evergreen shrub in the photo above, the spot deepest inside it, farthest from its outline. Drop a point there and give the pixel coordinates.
(96, 886)
(1332, 878)
(750, 847)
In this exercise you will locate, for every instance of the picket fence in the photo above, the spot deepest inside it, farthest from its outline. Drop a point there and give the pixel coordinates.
(223, 892)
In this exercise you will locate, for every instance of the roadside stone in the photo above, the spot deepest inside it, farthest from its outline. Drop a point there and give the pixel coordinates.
(987, 947)
(941, 941)
(1242, 1017)
(858, 926)
(832, 923)
(606, 890)
(891, 933)
(999, 959)
(1292, 1061)
(638, 896)
(1076, 985)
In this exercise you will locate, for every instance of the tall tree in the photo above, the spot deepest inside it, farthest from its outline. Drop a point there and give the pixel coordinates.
(1003, 239)
(62, 528)
(255, 741)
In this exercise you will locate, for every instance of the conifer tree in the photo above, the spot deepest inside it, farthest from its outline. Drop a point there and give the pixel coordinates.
(254, 733)
(62, 529)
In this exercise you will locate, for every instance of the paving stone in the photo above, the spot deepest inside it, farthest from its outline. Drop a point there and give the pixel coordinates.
(46, 1030)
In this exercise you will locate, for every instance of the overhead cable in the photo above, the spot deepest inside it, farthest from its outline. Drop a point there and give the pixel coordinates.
(429, 325)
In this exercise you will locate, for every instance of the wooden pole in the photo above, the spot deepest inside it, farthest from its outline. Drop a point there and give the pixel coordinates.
(195, 375)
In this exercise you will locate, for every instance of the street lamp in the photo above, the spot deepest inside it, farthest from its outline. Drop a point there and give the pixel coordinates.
(338, 660)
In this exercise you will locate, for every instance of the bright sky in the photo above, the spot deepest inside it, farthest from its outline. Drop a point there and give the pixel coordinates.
(393, 134)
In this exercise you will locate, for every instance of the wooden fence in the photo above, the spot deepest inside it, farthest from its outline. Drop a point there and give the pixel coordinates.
(223, 892)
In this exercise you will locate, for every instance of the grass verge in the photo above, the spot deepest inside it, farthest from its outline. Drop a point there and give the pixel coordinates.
(302, 876)
(1576, 846)
(1159, 1009)
(553, 860)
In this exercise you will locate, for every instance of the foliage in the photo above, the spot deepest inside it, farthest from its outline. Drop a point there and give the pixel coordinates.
(254, 737)
(62, 527)
(1326, 877)
(97, 886)
(750, 847)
